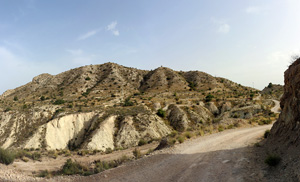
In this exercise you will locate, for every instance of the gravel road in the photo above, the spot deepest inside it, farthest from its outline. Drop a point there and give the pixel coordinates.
(214, 158)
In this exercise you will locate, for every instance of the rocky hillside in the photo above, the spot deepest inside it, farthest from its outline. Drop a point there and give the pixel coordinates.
(286, 129)
(110, 106)
(272, 91)
(283, 140)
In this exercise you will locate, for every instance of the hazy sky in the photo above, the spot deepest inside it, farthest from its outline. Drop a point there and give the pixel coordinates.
(247, 41)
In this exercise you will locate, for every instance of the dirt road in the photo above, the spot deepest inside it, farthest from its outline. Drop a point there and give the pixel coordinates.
(214, 158)
(276, 108)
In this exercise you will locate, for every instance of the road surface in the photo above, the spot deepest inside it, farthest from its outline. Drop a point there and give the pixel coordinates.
(214, 158)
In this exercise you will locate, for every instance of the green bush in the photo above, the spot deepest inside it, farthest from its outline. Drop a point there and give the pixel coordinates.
(72, 167)
(188, 135)
(272, 160)
(142, 142)
(173, 133)
(44, 174)
(265, 121)
(267, 132)
(180, 139)
(43, 98)
(161, 113)
(59, 102)
(128, 102)
(6, 157)
(209, 98)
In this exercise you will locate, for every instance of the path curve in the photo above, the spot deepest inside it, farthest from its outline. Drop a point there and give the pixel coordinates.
(276, 108)
(217, 157)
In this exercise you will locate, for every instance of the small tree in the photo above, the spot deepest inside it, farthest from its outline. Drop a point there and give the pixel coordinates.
(161, 113)
(209, 98)
(270, 85)
(128, 102)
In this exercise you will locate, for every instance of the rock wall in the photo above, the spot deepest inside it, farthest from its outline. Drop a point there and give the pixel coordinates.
(286, 130)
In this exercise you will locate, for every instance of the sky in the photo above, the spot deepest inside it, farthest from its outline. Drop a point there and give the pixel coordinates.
(250, 42)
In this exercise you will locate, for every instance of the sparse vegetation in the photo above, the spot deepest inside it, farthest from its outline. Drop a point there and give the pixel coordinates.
(72, 167)
(180, 139)
(142, 142)
(209, 98)
(128, 102)
(137, 153)
(161, 113)
(59, 102)
(272, 160)
(267, 132)
(6, 157)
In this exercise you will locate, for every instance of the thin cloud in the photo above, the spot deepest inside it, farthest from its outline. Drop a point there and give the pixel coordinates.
(88, 35)
(222, 26)
(76, 52)
(112, 28)
(253, 10)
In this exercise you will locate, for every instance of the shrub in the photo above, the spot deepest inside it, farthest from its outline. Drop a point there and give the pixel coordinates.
(173, 133)
(72, 167)
(188, 134)
(171, 141)
(36, 156)
(267, 132)
(272, 160)
(43, 98)
(128, 102)
(270, 85)
(161, 113)
(221, 128)
(209, 98)
(137, 153)
(108, 150)
(265, 121)
(44, 174)
(87, 78)
(180, 139)
(7, 109)
(6, 157)
(59, 102)
(142, 142)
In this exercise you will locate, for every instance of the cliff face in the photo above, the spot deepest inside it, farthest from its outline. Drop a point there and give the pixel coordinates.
(286, 130)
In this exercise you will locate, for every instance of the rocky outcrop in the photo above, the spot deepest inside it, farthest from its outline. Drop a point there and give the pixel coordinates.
(98, 131)
(286, 130)
(177, 117)
(212, 108)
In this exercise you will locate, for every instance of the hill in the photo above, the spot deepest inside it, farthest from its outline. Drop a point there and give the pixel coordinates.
(109, 106)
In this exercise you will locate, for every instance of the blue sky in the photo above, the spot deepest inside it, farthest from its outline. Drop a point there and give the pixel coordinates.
(249, 42)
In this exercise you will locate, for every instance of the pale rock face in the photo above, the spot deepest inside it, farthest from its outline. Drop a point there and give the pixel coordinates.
(177, 118)
(149, 126)
(226, 107)
(62, 130)
(212, 108)
(200, 114)
(104, 137)
(127, 135)
(156, 106)
(35, 140)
